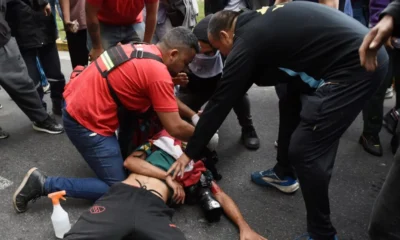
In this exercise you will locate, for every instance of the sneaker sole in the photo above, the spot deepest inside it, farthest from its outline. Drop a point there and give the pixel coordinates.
(285, 189)
(22, 185)
(4, 136)
(46, 130)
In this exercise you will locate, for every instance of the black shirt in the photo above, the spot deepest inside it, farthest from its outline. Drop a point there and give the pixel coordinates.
(5, 33)
(394, 10)
(313, 41)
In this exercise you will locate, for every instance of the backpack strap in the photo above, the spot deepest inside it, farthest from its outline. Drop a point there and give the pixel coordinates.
(116, 56)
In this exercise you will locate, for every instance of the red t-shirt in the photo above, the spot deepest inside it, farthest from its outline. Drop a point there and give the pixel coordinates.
(120, 12)
(138, 83)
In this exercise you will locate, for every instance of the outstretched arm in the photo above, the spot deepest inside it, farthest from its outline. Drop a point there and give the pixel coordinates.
(233, 213)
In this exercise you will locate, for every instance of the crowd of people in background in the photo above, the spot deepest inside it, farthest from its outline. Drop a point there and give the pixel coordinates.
(151, 86)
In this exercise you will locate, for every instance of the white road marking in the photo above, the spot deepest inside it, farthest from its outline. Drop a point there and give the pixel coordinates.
(64, 55)
(4, 183)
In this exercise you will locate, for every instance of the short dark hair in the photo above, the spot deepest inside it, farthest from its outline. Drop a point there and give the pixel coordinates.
(221, 21)
(180, 37)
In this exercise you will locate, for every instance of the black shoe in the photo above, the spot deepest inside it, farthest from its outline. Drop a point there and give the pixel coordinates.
(57, 106)
(48, 126)
(371, 144)
(31, 188)
(3, 134)
(390, 120)
(249, 138)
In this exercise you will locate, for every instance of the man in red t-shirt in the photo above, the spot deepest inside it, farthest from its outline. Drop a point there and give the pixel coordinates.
(90, 117)
(111, 22)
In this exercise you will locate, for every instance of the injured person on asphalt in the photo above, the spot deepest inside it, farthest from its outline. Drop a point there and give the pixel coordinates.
(137, 208)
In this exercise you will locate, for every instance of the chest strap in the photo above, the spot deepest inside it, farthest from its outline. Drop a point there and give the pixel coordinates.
(116, 56)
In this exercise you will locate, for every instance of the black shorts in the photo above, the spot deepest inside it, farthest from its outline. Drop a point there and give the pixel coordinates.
(126, 212)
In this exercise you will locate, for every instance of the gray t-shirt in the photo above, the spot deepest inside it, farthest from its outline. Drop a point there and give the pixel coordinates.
(5, 33)
(235, 5)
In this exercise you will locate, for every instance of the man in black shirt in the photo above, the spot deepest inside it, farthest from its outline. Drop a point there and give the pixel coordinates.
(314, 48)
(15, 80)
(384, 222)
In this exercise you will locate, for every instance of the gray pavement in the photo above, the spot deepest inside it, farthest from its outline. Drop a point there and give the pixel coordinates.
(356, 180)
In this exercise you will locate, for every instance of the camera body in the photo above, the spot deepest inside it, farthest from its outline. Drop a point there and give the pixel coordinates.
(201, 193)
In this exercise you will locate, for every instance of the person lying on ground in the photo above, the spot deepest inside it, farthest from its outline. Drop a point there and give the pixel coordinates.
(142, 215)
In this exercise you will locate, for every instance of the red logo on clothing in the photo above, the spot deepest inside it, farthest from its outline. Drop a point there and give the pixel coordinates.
(172, 225)
(97, 209)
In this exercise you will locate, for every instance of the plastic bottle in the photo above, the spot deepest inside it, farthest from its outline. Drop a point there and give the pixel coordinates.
(59, 218)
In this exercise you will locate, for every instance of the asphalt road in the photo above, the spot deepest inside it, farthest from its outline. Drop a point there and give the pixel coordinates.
(356, 180)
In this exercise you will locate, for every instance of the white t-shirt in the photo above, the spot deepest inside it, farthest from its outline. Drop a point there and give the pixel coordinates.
(235, 5)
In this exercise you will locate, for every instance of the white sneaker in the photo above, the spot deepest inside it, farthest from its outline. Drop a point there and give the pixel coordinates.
(46, 88)
(389, 93)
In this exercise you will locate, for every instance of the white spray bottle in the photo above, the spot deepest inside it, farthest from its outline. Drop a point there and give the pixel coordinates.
(59, 218)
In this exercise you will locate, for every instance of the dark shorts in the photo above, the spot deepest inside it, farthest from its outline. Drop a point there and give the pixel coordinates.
(126, 212)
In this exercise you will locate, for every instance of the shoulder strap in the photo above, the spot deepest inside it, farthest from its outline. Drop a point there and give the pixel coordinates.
(116, 56)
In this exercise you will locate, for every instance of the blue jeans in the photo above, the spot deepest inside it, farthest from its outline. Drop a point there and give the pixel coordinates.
(358, 13)
(103, 156)
(111, 35)
(53, 5)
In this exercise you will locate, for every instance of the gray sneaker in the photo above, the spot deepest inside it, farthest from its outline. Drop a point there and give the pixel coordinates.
(48, 126)
(3, 134)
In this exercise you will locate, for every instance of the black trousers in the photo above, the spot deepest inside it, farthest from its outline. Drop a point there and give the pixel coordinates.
(126, 213)
(50, 60)
(311, 125)
(16, 82)
(395, 63)
(77, 46)
(373, 110)
(385, 218)
(199, 91)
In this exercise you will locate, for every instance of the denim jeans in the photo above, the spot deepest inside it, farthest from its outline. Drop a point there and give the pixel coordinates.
(359, 13)
(103, 156)
(111, 35)
(53, 5)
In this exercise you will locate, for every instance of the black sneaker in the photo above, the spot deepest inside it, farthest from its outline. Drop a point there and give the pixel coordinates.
(48, 126)
(3, 134)
(249, 138)
(390, 120)
(31, 188)
(371, 144)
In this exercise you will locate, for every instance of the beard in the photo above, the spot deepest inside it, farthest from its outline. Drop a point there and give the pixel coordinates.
(172, 72)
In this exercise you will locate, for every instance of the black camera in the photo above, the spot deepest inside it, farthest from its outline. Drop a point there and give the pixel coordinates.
(201, 193)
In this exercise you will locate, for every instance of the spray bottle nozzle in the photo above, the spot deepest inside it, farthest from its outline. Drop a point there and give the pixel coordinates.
(56, 196)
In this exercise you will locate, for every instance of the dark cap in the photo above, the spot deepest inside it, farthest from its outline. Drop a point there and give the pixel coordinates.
(200, 31)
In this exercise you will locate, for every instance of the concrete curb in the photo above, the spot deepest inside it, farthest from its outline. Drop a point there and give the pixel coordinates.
(62, 46)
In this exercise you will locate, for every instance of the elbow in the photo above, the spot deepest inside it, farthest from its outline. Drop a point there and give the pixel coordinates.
(129, 161)
(174, 132)
(126, 163)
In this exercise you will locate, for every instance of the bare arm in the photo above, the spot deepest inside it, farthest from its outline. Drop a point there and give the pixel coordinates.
(140, 166)
(93, 25)
(184, 110)
(330, 3)
(232, 211)
(175, 126)
(151, 21)
(65, 8)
